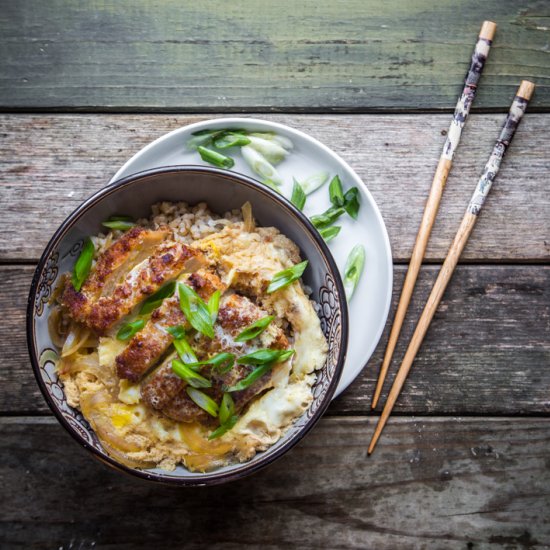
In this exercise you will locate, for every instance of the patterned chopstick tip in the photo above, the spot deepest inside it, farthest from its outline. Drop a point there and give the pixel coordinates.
(462, 109)
(517, 110)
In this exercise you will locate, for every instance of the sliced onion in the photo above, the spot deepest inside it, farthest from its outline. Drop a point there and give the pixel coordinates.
(77, 338)
(249, 224)
(55, 327)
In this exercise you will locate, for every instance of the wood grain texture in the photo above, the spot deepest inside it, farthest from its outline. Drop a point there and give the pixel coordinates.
(50, 164)
(487, 350)
(435, 483)
(355, 55)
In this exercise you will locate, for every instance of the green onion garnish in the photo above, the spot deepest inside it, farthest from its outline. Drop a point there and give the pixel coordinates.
(185, 351)
(353, 269)
(314, 182)
(122, 223)
(215, 158)
(178, 332)
(83, 264)
(287, 276)
(328, 233)
(255, 329)
(193, 378)
(214, 305)
(227, 408)
(223, 362)
(298, 198)
(155, 300)
(229, 139)
(336, 193)
(351, 202)
(204, 401)
(224, 428)
(129, 329)
(248, 380)
(328, 217)
(263, 356)
(196, 311)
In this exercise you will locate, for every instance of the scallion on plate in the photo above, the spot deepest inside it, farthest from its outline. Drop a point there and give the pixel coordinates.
(353, 269)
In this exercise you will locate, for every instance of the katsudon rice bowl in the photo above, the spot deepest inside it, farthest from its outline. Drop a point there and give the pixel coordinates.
(186, 342)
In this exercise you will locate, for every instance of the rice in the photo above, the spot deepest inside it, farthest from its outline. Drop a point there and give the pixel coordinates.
(189, 223)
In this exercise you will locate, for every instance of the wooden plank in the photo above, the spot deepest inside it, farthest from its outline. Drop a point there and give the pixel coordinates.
(487, 351)
(50, 164)
(433, 483)
(313, 55)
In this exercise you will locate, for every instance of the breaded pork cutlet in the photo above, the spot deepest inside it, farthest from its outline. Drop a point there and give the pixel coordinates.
(130, 270)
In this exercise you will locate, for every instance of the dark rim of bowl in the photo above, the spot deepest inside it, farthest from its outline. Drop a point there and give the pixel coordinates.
(246, 468)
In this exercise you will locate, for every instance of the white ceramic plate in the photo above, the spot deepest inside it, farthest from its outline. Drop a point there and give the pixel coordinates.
(370, 304)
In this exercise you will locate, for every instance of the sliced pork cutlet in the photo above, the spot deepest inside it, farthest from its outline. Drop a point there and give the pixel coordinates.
(111, 268)
(165, 391)
(148, 345)
(167, 261)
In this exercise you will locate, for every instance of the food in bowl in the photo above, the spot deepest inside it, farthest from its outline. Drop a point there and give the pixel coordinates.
(187, 338)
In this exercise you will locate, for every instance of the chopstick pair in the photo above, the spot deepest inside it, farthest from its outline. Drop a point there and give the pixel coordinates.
(515, 114)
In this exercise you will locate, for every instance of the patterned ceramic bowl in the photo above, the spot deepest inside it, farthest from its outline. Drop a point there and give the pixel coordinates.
(221, 190)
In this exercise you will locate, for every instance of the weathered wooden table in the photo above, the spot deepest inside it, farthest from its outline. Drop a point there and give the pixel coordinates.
(465, 460)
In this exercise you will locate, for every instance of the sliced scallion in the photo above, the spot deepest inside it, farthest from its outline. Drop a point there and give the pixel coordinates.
(227, 408)
(269, 149)
(155, 300)
(328, 217)
(328, 233)
(248, 380)
(215, 158)
(287, 276)
(204, 401)
(260, 165)
(298, 198)
(353, 269)
(255, 329)
(222, 362)
(224, 428)
(336, 193)
(263, 356)
(83, 264)
(312, 183)
(192, 377)
(195, 310)
(185, 351)
(229, 139)
(214, 305)
(120, 223)
(351, 202)
(178, 332)
(128, 330)
(272, 136)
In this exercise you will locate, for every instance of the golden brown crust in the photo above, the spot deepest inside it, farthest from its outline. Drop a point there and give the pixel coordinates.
(130, 249)
(148, 345)
(166, 263)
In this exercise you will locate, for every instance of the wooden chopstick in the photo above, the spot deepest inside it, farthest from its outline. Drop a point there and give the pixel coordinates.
(462, 109)
(484, 184)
